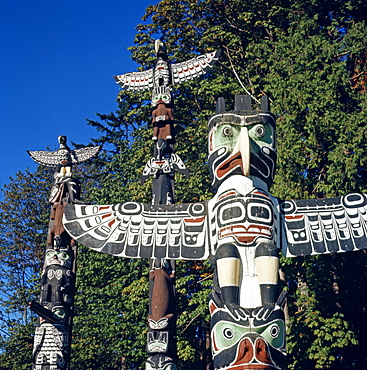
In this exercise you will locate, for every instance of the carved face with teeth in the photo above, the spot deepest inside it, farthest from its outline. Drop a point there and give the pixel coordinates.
(242, 143)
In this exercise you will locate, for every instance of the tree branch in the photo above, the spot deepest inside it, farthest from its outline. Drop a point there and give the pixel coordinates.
(235, 73)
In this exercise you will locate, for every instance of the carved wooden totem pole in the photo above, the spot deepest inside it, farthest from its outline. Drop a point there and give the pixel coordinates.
(161, 337)
(242, 228)
(52, 341)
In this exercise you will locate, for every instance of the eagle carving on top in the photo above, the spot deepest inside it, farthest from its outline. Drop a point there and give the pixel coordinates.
(64, 157)
(165, 73)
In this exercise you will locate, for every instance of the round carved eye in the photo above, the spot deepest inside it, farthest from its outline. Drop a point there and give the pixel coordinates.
(274, 331)
(260, 130)
(64, 255)
(227, 131)
(228, 333)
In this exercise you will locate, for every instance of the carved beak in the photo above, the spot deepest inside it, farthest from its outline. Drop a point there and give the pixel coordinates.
(242, 149)
(240, 156)
(157, 46)
(253, 355)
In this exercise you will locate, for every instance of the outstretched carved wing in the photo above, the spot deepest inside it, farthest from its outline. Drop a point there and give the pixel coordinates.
(136, 81)
(194, 67)
(181, 72)
(324, 226)
(50, 159)
(135, 230)
(83, 154)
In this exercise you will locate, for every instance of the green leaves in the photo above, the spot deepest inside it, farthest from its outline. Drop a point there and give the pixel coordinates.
(315, 337)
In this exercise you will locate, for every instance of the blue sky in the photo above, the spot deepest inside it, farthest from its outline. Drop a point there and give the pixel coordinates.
(57, 59)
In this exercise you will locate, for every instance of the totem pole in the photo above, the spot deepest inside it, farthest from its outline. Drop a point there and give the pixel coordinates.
(52, 341)
(242, 228)
(161, 337)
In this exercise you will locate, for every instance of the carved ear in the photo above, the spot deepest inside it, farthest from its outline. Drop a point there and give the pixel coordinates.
(282, 299)
(221, 106)
(242, 102)
(265, 103)
(212, 307)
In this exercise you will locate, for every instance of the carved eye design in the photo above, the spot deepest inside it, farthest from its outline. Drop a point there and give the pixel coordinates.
(64, 255)
(274, 331)
(228, 333)
(260, 130)
(227, 131)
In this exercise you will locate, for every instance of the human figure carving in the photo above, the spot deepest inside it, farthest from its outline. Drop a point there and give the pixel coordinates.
(162, 122)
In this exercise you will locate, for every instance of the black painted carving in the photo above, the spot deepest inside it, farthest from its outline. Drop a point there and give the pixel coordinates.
(52, 341)
(243, 228)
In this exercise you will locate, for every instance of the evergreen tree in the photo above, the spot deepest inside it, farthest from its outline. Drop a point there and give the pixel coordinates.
(23, 233)
(309, 57)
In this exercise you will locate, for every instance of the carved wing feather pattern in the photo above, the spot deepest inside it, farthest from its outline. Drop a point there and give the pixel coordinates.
(136, 81)
(135, 230)
(50, 159)
(194, 67)
(83, 154)
(324, 226)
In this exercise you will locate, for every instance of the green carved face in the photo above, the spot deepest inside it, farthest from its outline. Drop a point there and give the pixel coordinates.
(247, 338)
(161, 98)
(227, 135)
(58, 257)
(242, 144)
(227, 334)
(64, 156)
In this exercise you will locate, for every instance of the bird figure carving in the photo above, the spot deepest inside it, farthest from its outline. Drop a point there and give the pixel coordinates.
(64, 158)
(165, 73)
(160, 78)
(243, 228)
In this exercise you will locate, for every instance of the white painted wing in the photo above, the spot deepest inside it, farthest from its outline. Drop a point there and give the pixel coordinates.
(50, 159)
(135, 230)
(83, 154)
(194, 67)
(136, 81)
(315, 226)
